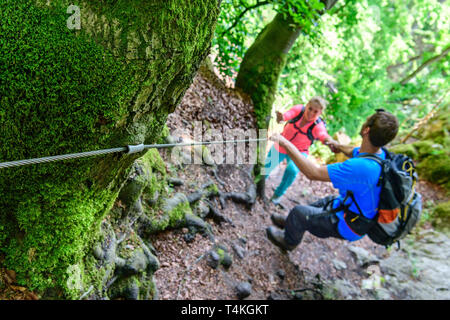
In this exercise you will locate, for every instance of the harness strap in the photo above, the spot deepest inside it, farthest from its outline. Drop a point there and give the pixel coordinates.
(308, 133)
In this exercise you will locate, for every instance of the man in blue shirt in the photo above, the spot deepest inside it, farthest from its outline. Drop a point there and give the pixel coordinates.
(356, 179)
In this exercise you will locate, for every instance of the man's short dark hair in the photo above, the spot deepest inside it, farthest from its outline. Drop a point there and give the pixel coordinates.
(383, 128)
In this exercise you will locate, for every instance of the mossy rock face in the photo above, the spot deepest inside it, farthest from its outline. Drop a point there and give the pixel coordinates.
(426, 148)
(417, 150)
(406, 149)
(437, 129)
(432, 150)
(441, 216)
(126, 288)
(110, 84)
(436, 169)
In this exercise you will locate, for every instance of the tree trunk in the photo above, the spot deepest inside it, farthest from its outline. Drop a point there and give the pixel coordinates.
(109, 84)
(261, 68)
(259, 73)
(263, 63)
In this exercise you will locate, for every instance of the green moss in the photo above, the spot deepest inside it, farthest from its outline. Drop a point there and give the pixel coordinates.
(164, 134)
(441, 216)
(263, 91)
(156, 186)
(52, 212)
(221, 253)
(406, 149)
(52, 240)
(127, 247)
(65, 91)
(426, 148)
(141, 287)
(213, 189)
(436, 168)
(94, 274)
(125, 288)
(152, 159)
(178, 213)
(263, 64)
(164, 215)
(149, 178)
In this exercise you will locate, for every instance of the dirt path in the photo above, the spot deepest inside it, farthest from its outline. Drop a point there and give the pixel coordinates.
(185, 272)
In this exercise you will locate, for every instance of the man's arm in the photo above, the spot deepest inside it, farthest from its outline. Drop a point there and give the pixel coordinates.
(308, 168)
(331, 143)
(320, 133)
(347, 150)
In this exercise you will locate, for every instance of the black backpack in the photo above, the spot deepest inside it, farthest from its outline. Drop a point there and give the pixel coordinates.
(400, 204)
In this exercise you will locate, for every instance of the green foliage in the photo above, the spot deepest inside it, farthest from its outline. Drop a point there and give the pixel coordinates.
(305, 14)
(241, 21)
(236, 31)
(365, 48)
(365, 52)
(64, 91)
(43, 80)
(441, 216)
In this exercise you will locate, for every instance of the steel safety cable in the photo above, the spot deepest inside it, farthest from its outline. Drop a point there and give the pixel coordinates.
(129, 149)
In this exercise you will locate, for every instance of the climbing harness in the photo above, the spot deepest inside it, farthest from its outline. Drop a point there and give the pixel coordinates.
(128, 149)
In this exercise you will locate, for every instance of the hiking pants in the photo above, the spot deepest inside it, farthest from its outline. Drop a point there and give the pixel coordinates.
(312, 218)
(273, 159)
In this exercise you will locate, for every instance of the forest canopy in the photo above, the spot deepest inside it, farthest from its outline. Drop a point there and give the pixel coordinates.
(359, 55)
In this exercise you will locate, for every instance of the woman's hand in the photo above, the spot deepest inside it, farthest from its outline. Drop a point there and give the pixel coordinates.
(279, 117)
(333, 145)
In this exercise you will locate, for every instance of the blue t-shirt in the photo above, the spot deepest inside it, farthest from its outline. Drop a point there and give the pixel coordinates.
(361, 176)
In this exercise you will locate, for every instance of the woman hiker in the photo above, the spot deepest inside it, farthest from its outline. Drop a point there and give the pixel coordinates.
(303, 126)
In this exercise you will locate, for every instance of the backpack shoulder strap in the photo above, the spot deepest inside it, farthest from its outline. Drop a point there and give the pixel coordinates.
(372, 157)
(298, 117)
(311, 127)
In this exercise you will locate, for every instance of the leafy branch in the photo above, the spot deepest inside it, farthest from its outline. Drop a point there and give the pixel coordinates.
(425, 64)
(241, 15)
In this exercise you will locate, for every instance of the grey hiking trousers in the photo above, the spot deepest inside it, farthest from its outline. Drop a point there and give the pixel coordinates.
(313, 218)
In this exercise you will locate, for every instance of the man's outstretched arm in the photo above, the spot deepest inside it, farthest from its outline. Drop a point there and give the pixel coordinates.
(308, 168)
(347, 150)
(332, 144)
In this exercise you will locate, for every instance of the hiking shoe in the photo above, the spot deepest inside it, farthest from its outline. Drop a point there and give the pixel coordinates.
(276, 236)
(276, 200)
(278, 220)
